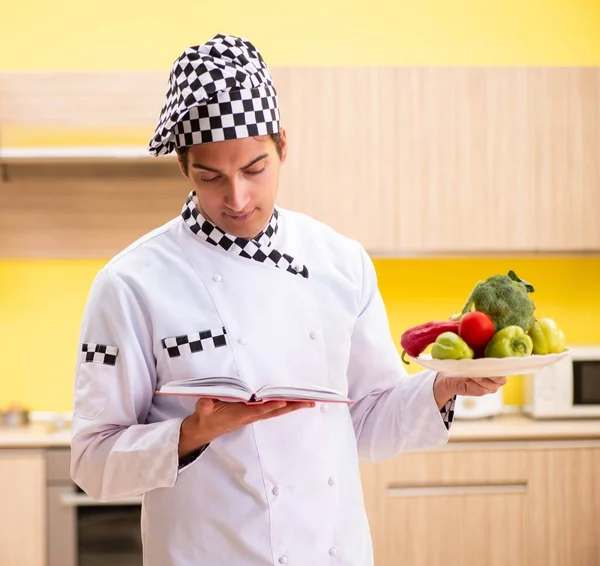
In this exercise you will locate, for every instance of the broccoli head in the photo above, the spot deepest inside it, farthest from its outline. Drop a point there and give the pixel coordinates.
(505, 299)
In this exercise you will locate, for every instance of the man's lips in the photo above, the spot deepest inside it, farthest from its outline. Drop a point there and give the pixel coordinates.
(241, 217)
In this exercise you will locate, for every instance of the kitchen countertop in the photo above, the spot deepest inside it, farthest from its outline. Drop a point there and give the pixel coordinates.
(497, 429)
(509, 427)
(34, 436)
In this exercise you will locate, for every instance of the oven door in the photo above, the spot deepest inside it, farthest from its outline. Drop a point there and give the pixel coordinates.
(101, 533)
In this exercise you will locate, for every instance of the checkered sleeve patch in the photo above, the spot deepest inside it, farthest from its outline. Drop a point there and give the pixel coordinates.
(99, 354)
(447, 412)
(175, 346)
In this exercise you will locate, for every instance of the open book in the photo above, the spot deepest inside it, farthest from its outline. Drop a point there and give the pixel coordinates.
(234, 389)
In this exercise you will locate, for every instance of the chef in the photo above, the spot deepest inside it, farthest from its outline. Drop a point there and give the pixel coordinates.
(236, 285)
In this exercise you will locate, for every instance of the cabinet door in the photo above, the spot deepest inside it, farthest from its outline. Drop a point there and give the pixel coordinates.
(564, 507)
(342, 129)
(452, 507)
(23, 516)
(455, 524)
(495, 159)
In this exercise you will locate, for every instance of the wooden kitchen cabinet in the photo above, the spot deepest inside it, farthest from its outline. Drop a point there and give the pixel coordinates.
(468, 525)
(451, 507)
(407, 160)
(498, 160)
(445, 160)
(23, 508)
(564, 507)
(489, 504)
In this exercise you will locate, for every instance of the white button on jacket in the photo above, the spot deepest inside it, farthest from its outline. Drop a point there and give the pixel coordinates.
(218, 510)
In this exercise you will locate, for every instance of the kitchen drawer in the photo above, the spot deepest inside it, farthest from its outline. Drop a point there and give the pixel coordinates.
(459, 506)
(455, 471)
(468, 530)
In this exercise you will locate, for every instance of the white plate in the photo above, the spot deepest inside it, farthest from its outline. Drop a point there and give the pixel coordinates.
(490, 367)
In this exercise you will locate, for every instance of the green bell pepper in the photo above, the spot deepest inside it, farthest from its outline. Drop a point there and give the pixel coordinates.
(509, 342)
(450, 346)
(547, 337)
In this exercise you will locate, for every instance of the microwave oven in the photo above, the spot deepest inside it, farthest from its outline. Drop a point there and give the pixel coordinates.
(569, 389)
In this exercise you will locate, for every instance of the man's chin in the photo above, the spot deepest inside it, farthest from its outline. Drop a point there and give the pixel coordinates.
(242, 230)
(248, 226)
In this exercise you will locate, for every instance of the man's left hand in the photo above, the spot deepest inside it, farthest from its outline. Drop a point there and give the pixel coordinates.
(444, 388)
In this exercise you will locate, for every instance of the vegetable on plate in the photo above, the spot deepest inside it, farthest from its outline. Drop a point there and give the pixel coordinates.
(511, 341)
(497, 321)
(476, 329)
(450, 346)
(505, 299)
(415, 340)
(547, 337)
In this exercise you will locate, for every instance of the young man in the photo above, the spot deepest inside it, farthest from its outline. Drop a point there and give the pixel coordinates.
(238, 286)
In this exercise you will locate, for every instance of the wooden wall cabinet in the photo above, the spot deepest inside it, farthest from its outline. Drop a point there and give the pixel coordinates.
(504, 506)
(409, 161)
(447, 160)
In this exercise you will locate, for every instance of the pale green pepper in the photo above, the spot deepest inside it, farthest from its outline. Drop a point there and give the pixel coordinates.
(547, 337)
(511, 341)
(450, 346)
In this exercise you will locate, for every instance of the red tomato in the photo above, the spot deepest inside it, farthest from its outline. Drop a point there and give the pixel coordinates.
(476, 329)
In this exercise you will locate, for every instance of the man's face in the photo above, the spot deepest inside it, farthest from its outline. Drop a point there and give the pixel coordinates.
(236, 182)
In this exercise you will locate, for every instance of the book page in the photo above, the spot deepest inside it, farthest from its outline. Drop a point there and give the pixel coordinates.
(209, 386)
(300, 391)
(213, 392)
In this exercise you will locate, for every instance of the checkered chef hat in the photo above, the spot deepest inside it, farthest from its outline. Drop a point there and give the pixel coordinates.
(217, 91)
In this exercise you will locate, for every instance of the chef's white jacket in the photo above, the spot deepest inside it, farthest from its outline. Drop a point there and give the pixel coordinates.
(281, 491)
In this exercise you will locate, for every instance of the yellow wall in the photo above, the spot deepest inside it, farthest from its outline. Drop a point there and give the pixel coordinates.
(41, 304)
(149, 34)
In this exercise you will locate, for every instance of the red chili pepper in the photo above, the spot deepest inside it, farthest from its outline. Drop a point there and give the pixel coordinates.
(416, 339)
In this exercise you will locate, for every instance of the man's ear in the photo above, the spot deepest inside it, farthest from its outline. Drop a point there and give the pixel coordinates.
(182, 165)
(284, 145)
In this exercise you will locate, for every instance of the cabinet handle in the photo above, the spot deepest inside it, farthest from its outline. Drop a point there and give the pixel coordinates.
(475, 489)
(83, 500)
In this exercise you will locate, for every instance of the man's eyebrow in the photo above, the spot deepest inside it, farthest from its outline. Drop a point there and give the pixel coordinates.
(197, 165)
(255, 160)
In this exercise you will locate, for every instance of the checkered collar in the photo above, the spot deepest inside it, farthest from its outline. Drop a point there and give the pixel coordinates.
(259, 248)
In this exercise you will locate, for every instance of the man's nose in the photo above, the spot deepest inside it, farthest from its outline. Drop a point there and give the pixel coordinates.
(238, 196)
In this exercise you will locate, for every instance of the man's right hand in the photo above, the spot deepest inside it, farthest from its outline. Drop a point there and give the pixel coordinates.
(212, 419)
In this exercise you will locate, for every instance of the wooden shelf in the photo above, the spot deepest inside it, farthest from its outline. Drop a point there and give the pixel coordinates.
(48, 155)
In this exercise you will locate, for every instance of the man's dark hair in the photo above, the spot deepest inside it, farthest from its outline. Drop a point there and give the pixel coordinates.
(183, 151)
